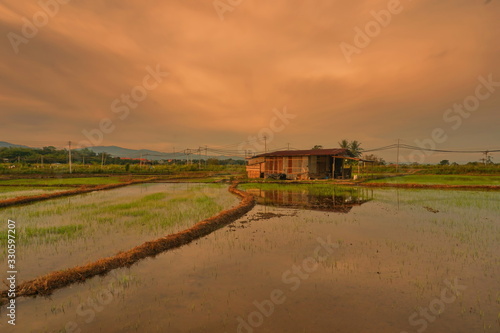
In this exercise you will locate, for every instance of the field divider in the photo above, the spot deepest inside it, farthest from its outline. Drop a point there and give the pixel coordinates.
(45, 285)
(81, 190)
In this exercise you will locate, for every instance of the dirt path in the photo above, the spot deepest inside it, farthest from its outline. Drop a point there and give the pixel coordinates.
(45, 285)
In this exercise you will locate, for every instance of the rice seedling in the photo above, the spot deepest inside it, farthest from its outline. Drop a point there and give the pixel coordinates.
(63, 181)
(94, 222)
(9, 192)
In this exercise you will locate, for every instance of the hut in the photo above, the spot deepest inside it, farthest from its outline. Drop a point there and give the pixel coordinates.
(300, 164)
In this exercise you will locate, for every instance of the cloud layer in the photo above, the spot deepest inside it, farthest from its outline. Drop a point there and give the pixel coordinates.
(226, 76)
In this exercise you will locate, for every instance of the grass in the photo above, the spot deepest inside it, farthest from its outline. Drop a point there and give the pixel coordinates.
(13, 189)
(118, 169)
(47, 234)
(441, 180)
(159, 210)
(66, 230)
(63, 181)
(9, 192)
(153, 209)
(313, 189)
(442, 200)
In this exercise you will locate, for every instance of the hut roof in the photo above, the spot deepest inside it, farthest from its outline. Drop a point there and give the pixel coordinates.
(309, 152)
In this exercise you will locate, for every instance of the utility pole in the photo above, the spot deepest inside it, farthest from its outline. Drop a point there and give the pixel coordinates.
(199, 157)
(102, 159)
(397, 160)
(206, 155)
(265, 144)
(140, 161)
(486, 158)
(70, 166)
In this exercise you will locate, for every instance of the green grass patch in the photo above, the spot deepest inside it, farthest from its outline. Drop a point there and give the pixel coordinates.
(155, 209)
(67, 230)
(9, 192)
(43, 234)
(63, 181)
(440, 180)
(313, 189)
(154, 196)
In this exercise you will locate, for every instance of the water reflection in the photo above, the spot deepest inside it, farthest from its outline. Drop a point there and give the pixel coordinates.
(340, 201)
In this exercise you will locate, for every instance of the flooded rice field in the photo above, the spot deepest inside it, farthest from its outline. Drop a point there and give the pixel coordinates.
(305, 259)
(66, 232)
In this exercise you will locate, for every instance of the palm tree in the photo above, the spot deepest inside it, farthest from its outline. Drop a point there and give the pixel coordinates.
(353, 147)
(344, 144)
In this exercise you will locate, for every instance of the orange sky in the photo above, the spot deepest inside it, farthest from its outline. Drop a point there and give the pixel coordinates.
(225, 77)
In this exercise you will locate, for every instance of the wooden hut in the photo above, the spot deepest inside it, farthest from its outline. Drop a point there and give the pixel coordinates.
(300, 164)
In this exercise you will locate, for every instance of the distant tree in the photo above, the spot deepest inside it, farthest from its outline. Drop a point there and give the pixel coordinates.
(444, 162)
(213, 161)
(377, 160)
(317, 147)
(49, 150)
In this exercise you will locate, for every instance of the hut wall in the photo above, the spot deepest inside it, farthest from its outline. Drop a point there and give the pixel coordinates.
(313, 168)
(253, 171)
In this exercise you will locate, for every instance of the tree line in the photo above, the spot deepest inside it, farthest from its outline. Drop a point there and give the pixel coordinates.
(86, 156)
(51, 154)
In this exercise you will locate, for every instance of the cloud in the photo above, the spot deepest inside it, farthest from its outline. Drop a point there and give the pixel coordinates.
(227, 76)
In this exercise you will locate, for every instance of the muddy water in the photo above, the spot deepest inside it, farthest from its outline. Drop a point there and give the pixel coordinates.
(406, 261)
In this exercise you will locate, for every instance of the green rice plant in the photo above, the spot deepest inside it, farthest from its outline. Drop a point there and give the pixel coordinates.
(441, 180)
(62, 181)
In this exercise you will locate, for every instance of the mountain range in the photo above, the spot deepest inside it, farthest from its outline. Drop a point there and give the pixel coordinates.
(4, 144)
(136, 153)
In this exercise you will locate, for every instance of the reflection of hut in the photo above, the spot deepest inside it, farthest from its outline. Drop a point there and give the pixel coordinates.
(301, 164)
(341, 203)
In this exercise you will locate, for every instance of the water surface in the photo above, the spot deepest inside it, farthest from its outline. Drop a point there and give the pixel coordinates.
(373, 268)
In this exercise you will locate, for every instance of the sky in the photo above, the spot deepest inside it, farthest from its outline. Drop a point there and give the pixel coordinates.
(172, 75)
